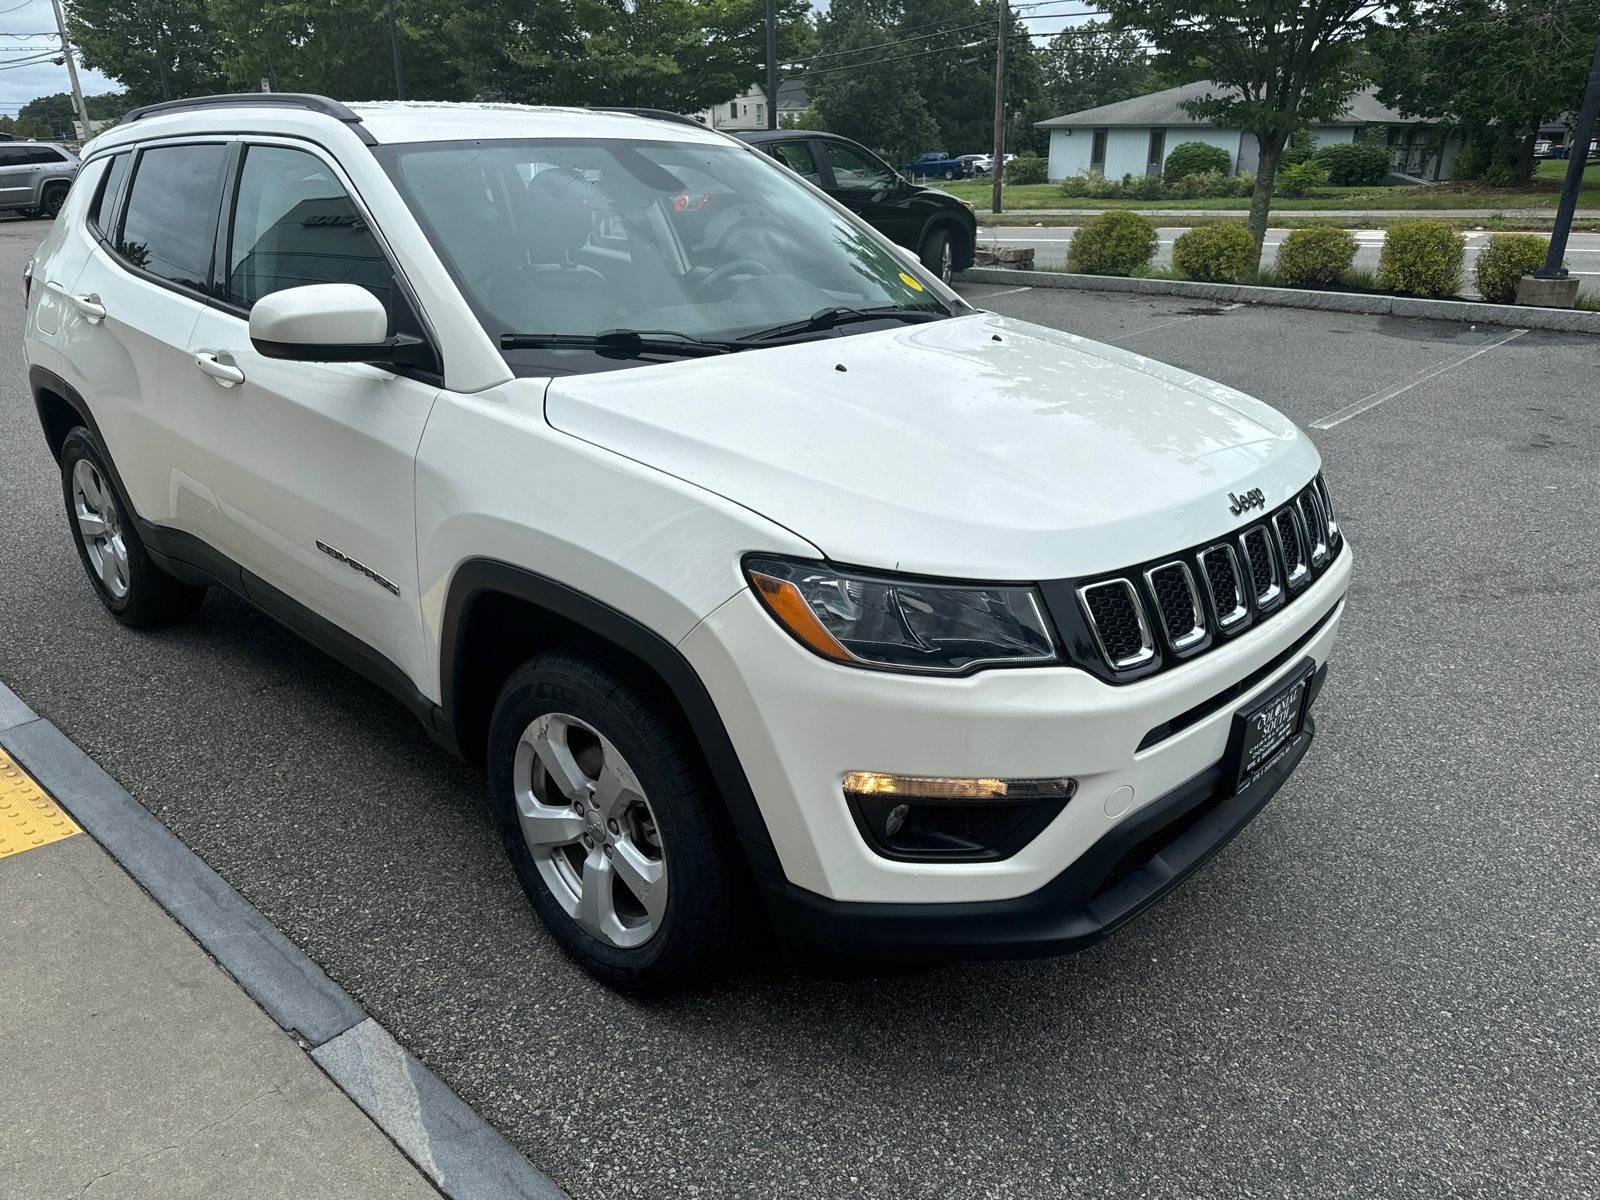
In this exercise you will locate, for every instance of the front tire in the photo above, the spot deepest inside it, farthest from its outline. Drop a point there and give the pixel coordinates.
(612, 824)
(938, 254)
(134, 590)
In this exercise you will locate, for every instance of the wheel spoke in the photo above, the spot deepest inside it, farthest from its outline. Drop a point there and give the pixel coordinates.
(108, 568)
(643, 877)
(89, 523)
(545, 826)
(89, 484)
(597, 910)
(550, 744)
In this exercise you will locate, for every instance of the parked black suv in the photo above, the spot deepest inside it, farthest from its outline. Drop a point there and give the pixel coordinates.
(942, 230)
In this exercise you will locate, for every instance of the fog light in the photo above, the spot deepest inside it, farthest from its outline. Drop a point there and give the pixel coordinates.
(920, 817)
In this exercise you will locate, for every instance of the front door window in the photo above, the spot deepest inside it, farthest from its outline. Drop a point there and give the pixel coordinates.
(853, 172)
(798, 158)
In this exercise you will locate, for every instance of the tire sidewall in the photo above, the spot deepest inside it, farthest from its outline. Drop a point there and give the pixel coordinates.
(551, 684)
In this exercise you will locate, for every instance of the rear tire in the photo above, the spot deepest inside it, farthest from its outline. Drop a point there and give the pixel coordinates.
(613, 825)
(938, 254)
(134, 590)
(55, 195)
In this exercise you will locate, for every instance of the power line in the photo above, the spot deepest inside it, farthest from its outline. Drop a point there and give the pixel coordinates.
(880, 61)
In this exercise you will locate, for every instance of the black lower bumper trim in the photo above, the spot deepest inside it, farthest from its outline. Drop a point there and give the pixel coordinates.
(1070, 913)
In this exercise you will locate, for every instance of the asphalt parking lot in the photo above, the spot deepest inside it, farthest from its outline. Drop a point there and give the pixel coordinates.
(1050, 249)
(1384, 987)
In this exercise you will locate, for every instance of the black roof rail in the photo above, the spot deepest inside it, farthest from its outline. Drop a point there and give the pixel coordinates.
(658, 114)
(319, 104)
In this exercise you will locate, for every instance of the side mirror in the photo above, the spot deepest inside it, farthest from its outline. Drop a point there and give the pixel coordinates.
(328, 322)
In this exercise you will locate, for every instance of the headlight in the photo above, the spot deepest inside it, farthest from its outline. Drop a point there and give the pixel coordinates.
(901, 622)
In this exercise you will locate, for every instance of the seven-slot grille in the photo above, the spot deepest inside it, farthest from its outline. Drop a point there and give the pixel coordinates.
(1218, 588)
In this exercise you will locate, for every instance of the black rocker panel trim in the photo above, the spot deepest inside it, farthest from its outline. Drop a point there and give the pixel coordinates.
(480, 578)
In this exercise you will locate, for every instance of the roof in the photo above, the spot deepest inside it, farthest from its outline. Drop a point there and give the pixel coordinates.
(1163, 108)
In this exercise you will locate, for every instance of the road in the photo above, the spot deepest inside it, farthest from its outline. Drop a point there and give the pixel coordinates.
(1050, 246)
(1384, 987)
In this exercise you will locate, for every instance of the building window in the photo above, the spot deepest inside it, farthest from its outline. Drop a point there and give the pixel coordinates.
(1097, 152)
(1158, 152)
(759, 117)
(733, 111)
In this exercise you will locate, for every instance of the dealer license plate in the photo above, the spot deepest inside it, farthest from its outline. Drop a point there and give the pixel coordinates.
(1268, 727)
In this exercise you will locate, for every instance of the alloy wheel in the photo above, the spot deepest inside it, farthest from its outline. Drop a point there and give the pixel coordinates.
(100, 527)
(947, 262)
(590, 830)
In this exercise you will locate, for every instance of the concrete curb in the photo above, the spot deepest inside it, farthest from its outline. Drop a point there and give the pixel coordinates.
(1563, 320)
(460, 1152)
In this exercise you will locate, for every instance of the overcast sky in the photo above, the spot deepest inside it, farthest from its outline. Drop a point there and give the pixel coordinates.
(26, 29)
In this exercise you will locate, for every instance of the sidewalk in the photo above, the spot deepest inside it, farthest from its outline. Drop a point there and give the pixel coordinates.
(162, 1039)
(134, 1067)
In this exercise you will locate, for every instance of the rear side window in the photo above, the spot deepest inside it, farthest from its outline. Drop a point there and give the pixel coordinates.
(108, 199)
(46, 154)
(171, 220)
(13, 156)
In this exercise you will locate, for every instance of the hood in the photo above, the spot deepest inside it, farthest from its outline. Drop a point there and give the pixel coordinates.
(978, 447)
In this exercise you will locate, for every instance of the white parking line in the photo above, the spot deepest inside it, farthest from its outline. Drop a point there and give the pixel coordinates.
(1007, 292)
(1377, 398)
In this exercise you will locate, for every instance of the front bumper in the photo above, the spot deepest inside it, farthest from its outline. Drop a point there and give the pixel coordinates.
(1126, 871)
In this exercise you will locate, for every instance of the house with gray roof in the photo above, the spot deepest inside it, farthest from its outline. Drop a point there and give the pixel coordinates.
(1133, 137)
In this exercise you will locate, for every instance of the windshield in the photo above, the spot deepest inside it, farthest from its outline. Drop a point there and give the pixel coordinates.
(574, 237)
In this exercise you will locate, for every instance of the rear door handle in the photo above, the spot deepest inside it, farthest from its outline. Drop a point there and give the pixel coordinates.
(226, 374)
(90, 306)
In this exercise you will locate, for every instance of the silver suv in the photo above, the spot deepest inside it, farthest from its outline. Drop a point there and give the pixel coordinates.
(35, 177)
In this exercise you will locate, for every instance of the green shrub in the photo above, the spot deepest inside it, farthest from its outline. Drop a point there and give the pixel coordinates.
(1147, 187)
(1316, 256)
(1504, 261)
(1422, 257)
(1195, 158)
(1353, 164)
(1214, 253)
(1075, 185)
(1101, 188)
(1025, 168)
(1300, 178)
(1114, 243)
(1242, 184)
(1498, 175)
(1300, 148)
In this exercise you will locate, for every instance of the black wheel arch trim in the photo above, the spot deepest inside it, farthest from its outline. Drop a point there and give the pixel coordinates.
(477, 578)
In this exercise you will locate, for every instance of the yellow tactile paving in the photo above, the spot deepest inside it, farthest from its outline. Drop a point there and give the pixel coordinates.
(28, 817)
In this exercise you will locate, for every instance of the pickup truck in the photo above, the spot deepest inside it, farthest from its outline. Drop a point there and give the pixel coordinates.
(935, 162)
(35, 177)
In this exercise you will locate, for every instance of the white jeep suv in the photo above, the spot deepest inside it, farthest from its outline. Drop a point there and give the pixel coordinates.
(760, 571)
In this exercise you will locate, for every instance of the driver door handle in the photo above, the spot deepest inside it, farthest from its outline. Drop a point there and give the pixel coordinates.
(90, 306)
(224, 373)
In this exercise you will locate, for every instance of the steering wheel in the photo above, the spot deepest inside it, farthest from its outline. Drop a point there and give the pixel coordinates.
(737, 266)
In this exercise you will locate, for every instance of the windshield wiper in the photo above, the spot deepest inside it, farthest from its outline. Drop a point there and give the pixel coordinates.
(825, 319)
(624, 343)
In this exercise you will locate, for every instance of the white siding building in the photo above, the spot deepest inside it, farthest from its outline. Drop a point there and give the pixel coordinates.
(1133, 137)
(749, 111)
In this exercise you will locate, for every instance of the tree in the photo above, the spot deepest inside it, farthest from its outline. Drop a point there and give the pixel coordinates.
(1085, 66)
(1278, 65)
(863, 86)
(115, 36)
(1491, 70)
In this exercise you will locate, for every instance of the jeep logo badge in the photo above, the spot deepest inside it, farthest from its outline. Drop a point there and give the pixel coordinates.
(1254, 498)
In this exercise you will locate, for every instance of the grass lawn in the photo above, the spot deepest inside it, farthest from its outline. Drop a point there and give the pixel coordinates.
(1331, 199)
(1507, 223)
(1556, 168)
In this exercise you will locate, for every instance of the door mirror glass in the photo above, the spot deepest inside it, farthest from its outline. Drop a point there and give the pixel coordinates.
(322, 322)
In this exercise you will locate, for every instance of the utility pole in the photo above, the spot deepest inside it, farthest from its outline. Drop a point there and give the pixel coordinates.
(1577, 159)
(997, 169)
(394, 44)
(72, 72)
(772, 64)
(155, 37)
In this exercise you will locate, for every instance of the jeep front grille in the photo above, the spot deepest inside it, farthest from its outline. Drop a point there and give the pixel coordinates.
(1117, 618)
(1178, 603)
(1126, 624)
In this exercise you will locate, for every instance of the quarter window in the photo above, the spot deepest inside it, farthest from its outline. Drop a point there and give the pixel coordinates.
(294, 224)
(45, 154)
(109, 198)
(171, 220)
